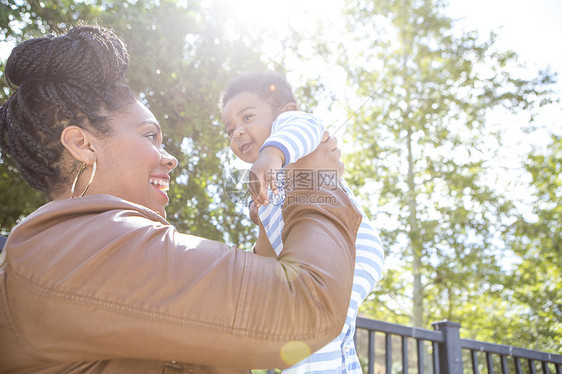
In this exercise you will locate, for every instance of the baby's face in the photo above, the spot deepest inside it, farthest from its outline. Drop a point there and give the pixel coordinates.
(247, 119)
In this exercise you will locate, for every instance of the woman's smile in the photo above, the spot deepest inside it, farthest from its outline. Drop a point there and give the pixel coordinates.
(162, 183)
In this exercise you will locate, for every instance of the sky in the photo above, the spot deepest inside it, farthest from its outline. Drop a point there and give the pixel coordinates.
(531, 28)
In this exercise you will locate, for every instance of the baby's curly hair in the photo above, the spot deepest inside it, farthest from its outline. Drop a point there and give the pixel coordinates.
(72, 79)
(271, 87)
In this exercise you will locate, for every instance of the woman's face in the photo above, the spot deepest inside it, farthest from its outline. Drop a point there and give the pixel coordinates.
(131, 162)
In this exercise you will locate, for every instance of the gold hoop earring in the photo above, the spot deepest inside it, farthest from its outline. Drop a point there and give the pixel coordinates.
(82, 168)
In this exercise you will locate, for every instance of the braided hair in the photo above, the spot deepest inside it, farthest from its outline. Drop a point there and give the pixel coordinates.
(71, 79)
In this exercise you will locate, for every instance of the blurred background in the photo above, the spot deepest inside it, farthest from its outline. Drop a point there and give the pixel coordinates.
(448, 115)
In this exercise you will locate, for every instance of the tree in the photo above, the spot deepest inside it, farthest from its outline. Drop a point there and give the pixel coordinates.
(181, 58)
(182, 54)
(535, 282)
(421, 139)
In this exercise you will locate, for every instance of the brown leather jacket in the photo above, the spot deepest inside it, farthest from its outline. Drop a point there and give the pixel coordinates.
(101, 285)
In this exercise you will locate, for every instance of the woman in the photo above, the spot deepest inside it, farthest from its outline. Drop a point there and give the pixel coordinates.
(97, 281)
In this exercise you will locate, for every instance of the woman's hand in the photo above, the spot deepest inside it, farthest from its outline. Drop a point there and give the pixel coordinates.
(327, 157)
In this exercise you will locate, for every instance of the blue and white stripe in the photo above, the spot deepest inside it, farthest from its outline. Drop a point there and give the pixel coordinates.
(296, 134)
(339, 356)
(272, 220)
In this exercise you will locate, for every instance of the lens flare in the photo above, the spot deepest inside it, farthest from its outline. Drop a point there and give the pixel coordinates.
(294, 352)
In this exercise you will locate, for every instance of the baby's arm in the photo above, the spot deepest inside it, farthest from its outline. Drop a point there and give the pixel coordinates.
(296, 134)
(293, 136)
(263, 245)
(262, 173)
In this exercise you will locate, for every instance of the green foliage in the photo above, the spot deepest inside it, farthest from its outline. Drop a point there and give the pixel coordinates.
(535, 281)
(17, 199)
(424, 142)
(182, 55)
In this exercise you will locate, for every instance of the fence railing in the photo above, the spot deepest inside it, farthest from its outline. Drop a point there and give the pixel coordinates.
(390, 348)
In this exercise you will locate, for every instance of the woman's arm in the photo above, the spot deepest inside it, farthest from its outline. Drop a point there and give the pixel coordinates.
(120, 283)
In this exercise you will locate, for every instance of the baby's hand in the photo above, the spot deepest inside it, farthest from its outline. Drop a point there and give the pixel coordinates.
(262, 174)
(254, 214)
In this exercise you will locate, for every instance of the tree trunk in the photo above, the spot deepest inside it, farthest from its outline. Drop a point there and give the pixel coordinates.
(415, 242)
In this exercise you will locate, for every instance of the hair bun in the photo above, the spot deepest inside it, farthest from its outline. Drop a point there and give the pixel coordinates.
(87, 55)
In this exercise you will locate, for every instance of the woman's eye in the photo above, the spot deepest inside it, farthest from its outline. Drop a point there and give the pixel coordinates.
(152, 136)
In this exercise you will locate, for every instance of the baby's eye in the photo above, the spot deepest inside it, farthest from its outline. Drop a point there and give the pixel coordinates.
(248, 117)
(229, 132)
(152, 136)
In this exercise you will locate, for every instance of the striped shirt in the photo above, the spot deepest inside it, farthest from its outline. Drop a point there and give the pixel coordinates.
(297, 134)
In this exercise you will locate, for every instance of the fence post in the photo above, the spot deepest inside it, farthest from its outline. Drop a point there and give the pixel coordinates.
(450, 351)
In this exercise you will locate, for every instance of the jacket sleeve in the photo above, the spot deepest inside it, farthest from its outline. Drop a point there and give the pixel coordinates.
(121, 285)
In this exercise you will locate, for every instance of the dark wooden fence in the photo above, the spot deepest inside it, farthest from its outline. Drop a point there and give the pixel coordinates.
(390, 349)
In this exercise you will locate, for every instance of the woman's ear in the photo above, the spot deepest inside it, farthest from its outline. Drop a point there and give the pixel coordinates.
(78, 142)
